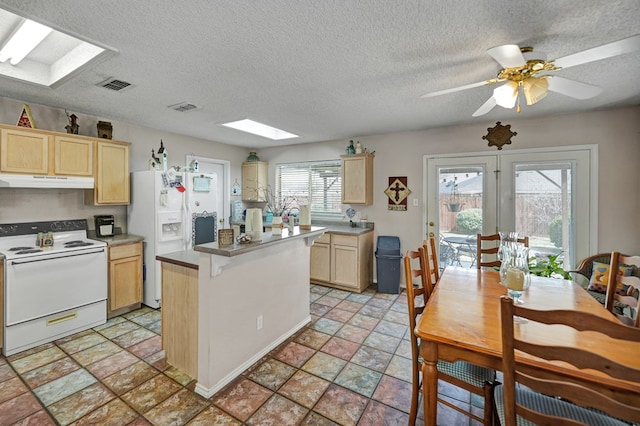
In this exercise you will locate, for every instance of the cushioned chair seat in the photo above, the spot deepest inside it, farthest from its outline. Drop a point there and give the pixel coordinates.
(468, 373)
(551, 405)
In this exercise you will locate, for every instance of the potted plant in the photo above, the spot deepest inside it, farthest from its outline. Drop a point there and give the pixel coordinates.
(549, 267)
(279, 205)
(453, 202)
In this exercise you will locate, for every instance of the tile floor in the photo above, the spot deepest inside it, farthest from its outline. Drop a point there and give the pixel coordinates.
(349, 366)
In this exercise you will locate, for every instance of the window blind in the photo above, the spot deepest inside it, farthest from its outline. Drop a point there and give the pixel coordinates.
(318, 184)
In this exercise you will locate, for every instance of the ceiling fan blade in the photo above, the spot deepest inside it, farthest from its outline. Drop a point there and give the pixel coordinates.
(485, 108)
(572, 88)
(458, 89)
(620, 47)
(508, 55)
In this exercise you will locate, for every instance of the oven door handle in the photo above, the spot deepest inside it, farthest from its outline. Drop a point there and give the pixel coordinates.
(22, 262)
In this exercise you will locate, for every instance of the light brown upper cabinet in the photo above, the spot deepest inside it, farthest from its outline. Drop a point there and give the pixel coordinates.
(254, 180)
(357, 179)
(111, 174)
(24, 151)
(73, 156)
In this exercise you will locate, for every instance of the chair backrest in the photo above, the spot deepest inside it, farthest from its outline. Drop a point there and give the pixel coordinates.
(624, 405)
(624, 289)
(414, 304)
(491, 249)
(431, 255)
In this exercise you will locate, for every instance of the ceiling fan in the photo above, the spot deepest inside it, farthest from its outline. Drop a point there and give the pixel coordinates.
(529, 73)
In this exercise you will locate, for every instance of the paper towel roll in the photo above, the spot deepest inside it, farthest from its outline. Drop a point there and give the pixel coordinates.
(305, 217)
(256, 224)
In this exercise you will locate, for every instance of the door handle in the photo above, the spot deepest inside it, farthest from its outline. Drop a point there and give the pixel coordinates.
(431, 235)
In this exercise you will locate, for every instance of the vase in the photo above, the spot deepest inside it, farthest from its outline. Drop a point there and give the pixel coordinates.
(276, 225)
(252, 157)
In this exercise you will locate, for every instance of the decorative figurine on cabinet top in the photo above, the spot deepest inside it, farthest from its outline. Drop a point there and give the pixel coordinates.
(162, 152)
(26, 119)
(73, 126)
(253, 157)
(104, 129)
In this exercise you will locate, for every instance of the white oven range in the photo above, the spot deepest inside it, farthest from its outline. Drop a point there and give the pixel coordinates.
(51, 292)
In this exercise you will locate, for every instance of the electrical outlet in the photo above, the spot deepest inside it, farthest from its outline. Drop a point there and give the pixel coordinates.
(259, 322)
(415, 202)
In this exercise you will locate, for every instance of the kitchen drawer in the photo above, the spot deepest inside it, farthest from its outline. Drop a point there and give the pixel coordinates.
(345, 240)
(324, 238)
(125, 250)
(29, 334)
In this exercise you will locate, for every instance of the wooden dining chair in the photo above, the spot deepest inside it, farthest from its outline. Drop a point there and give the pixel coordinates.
(488, 246)
(431, 257)
(531, 399)
(479, 380)
(623, 289)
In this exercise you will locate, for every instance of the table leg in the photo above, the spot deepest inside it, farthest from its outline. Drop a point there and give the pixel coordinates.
(429, 352)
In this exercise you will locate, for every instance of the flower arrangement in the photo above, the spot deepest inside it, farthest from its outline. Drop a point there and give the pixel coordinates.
(277, 203)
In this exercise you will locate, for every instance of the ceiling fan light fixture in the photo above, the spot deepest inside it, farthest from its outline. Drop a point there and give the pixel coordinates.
(535, 89)
(506, 95)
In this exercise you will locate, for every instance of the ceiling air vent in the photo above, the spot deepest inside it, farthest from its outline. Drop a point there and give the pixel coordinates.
(115, 84)
(183, 107)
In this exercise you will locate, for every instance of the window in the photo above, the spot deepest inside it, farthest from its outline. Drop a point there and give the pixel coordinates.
(318, 183)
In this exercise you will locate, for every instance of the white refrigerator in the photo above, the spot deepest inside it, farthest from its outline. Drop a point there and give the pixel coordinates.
(173, 212)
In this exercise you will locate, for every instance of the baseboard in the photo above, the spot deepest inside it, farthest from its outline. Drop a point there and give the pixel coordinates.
(209, 392)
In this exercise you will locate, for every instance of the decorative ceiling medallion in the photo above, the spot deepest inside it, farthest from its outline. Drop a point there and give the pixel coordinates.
(499, 135)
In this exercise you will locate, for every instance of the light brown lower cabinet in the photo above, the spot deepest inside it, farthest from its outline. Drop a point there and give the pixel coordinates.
(343, 261)
(125, 278)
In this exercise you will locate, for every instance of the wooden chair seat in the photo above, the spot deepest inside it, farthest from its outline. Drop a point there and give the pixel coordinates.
(553, 406)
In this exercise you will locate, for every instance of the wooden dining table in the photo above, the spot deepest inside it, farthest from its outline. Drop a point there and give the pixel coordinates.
(461, 321)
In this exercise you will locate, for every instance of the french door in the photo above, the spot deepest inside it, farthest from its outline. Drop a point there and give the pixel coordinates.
(549, 195)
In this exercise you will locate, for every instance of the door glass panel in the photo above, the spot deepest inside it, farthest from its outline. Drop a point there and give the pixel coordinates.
(543, 196)
(460, 197)
(461, 201)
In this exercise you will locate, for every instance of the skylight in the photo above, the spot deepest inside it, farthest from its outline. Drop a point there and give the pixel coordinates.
(260, 129)
(36, 53)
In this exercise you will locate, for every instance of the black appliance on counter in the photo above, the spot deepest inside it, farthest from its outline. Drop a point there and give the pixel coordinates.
(105, 225)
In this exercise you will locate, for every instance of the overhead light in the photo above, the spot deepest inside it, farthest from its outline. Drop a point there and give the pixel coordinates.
(260, 129)
(506, 95)
(29, 35)
(43, 55)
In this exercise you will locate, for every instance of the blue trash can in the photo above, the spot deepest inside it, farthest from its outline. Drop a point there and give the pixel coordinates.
(388, 264)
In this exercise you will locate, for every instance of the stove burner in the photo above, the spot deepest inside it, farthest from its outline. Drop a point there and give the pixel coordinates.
(20, 248)
(74, 242)
(29, 250)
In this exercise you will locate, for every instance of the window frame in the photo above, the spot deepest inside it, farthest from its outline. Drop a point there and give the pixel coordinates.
(334, 169)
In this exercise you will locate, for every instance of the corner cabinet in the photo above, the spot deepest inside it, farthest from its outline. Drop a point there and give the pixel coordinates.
(357, 179)
(343, 261)
(111, 165)
(254, 180)
(125, 278)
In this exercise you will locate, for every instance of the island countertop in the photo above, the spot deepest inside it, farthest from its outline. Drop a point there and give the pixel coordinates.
(268, 240)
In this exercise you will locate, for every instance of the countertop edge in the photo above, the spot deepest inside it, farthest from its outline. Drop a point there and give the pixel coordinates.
(268, 240)
(185, 258)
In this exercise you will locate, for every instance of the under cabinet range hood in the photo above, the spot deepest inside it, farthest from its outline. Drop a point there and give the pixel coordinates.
(40, 181)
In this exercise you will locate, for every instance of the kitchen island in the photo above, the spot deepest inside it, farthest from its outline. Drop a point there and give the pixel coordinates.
(225, 307)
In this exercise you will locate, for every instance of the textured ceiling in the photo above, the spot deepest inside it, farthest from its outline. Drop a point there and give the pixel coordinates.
(325, 70)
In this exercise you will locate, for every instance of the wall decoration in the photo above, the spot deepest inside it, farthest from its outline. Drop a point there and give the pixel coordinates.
(26, 119)
(397, 193)
(499, 135)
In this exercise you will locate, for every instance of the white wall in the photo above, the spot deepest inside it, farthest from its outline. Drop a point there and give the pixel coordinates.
(617, 132)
